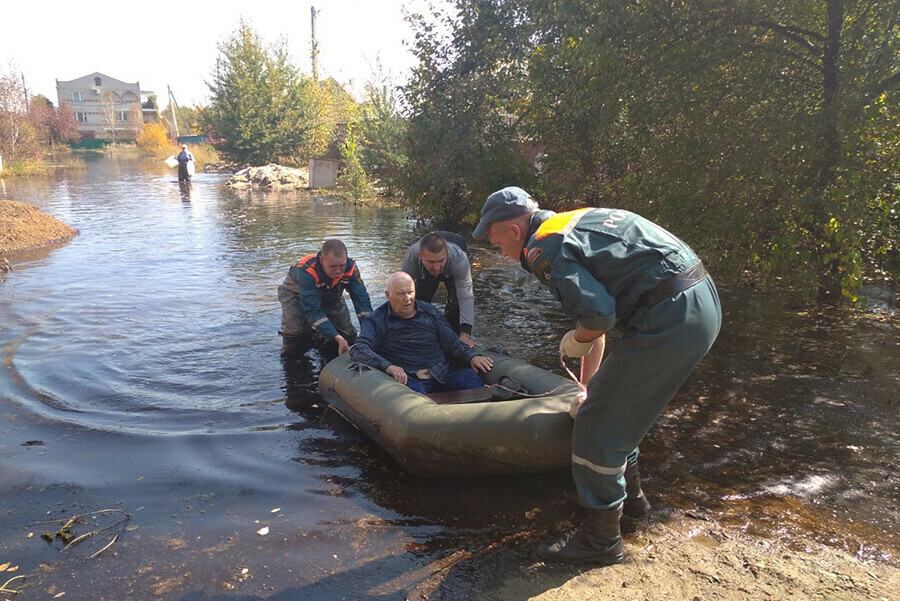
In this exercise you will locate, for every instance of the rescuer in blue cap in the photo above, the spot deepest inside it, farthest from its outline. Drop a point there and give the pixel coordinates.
(611, 268)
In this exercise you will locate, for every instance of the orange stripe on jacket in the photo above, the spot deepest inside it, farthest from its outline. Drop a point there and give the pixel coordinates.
(561, 223)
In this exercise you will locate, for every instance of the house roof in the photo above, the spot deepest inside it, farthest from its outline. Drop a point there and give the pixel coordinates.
(106, 81)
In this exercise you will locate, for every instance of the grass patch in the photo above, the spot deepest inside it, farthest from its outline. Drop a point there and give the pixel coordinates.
(25, 168)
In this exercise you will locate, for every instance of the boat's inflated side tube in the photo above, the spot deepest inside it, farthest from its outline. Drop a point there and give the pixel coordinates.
(514, 436)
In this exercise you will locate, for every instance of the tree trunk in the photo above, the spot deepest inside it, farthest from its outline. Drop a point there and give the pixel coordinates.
(829, 276)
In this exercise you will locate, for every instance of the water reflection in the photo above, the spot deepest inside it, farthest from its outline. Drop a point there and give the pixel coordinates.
(186, 189)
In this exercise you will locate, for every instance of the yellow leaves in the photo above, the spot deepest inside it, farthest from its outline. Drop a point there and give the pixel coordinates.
(8, 567)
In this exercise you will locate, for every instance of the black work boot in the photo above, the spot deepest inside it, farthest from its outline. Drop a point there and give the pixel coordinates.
(636, 505)
(598, 540)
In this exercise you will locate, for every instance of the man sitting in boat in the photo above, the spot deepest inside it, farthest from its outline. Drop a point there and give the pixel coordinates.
(412, 342)
(442, 257)
(313, 309)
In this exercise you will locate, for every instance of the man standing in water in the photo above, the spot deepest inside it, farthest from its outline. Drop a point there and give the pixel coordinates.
(611, 268)
(441, 257)
(184, 157)
(313, 309)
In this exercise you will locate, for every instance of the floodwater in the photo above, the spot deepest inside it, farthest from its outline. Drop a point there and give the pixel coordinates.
(140, 372)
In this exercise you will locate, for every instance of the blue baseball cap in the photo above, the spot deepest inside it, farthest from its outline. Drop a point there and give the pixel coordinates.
(503, 205)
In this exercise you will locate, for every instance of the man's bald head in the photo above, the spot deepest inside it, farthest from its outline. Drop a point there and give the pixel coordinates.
(399, 278)
(401, 294)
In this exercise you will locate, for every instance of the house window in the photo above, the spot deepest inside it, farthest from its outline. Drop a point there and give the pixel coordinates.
(123, 115)
(97, 81)
(77, 96)
(81, 117)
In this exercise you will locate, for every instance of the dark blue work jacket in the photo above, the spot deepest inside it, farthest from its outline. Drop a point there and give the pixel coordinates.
(423, 341)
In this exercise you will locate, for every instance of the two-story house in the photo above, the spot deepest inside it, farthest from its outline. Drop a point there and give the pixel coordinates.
(105, 107)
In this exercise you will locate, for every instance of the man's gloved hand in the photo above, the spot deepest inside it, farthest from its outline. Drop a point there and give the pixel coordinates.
(569, 347)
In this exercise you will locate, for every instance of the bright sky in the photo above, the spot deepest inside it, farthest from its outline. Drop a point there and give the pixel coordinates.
(175, 44)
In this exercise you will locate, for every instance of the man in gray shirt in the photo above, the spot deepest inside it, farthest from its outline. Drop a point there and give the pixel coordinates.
(441, 257)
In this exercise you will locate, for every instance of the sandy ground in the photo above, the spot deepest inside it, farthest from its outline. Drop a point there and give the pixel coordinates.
(677, 556)
(23, 226)
(685, 557)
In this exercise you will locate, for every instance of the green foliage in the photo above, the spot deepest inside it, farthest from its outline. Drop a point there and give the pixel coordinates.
(764, 133)
(462, 142)
(383, 132)
(260, 110)
(332, 109)
(353, 178)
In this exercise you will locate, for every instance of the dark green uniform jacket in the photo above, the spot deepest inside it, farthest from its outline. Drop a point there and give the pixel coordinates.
(597, 262)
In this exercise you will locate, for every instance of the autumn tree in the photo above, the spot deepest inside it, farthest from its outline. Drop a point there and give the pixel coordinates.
(154, 140)
(64, 127)
(18, 137)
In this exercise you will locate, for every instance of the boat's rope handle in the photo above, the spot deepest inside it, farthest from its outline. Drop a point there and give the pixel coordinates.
(582, 390)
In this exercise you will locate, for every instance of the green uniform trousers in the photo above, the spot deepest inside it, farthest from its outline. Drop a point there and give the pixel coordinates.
(660, 347)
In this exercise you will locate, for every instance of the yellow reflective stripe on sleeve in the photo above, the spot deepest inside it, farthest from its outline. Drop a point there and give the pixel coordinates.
(606, 471)
(316, 324)
(561, 223)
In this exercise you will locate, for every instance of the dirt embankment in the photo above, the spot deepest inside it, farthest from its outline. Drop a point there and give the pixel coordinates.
(696, 559)
(23, 226)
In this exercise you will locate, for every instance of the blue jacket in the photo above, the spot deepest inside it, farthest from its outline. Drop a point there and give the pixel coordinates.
(423, 341)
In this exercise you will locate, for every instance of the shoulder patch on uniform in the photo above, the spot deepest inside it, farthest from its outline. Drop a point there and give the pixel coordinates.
(543, 270)
(533, 254)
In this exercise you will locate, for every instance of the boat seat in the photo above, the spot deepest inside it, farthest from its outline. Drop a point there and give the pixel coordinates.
(472, 395)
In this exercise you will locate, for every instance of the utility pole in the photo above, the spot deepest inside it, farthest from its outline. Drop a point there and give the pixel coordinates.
(172, 110)
(315, 46)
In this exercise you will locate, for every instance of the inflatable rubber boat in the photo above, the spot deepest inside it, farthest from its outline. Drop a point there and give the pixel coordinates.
(440, 435)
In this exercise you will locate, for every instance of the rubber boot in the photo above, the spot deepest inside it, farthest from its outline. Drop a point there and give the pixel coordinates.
(636, 505)
(597, 541)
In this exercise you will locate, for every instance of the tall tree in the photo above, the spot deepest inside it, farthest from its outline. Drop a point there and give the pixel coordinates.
(762, 131)
(260, 110)
(462, 142)
(383, 131)
(109, 113)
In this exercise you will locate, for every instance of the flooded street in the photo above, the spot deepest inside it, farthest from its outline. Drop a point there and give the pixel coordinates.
(141, 372)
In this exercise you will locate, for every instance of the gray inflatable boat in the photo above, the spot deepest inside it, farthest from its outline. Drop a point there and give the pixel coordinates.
(458, 437)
